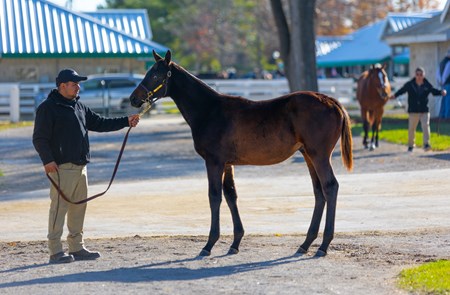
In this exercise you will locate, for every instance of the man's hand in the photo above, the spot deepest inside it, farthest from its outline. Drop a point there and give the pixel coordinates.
(392, 96)
(133, 120)
(51, 167)
(444, 92)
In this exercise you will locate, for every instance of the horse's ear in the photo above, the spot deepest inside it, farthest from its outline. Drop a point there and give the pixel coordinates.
(384, 66)
(168, 57)
(156, 56)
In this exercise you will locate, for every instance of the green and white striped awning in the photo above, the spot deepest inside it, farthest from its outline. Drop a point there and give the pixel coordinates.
(37, 28)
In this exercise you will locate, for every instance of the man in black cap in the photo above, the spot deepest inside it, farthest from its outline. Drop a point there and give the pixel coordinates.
(61, 139)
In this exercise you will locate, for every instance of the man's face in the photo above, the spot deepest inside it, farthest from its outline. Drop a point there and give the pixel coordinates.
(419, 75)
(70, 89)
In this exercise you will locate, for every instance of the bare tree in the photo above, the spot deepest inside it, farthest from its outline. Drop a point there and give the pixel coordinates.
(297, 42)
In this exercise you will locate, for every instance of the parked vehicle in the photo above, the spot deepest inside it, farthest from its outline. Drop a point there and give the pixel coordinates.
(109, 93)
(106, 94)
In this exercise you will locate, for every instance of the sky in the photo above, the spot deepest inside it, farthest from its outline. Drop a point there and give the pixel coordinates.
(80, 5)
(91, 5)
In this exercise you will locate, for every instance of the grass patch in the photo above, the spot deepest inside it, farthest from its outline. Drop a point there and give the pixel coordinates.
(429, 278)
(169, 107)
(394, 128)
(7, 125)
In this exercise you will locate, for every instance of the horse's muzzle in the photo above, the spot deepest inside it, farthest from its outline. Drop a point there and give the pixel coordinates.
(135, 102)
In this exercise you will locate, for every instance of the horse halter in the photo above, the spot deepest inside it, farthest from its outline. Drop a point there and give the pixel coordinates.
(151, 93)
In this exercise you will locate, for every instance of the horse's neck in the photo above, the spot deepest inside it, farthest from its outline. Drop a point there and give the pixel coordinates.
(193, 98)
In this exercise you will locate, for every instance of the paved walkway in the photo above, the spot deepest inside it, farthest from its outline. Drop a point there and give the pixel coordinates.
(178, 206)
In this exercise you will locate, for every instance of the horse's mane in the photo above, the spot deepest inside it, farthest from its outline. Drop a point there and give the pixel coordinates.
(190, 76)
(213, 93)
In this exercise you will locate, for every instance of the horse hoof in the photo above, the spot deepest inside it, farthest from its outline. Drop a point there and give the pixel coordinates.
(233, 251)
(301, 251)
(205, 253)
(320, 253)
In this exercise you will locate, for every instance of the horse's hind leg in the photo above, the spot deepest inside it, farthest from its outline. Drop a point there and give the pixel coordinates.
(215, 173)
(325, 182)
(230, 193)
(318, 207)
(330, 188)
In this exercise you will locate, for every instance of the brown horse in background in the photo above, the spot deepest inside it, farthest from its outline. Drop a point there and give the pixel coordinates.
(373, 91)
(230, 130)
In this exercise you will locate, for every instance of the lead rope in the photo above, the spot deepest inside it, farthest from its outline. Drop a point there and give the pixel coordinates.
(57, 185)
(147, 107)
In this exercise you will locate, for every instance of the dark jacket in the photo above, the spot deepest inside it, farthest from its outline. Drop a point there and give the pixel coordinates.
(61, 129)
(417, 95)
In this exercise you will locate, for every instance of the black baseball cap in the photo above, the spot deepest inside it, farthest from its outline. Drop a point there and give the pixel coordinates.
(69, 75)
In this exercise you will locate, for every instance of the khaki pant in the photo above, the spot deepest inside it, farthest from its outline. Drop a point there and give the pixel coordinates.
(73, 182)
(413, 120)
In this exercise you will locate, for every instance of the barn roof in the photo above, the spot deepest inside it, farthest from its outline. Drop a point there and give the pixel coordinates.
(366, 45)
(431, 30)
(38, 28)
(134, 22)
(359, 48)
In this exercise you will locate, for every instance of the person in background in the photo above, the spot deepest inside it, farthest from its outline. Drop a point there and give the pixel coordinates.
(418, 89)
(61, 139)
(443, 80)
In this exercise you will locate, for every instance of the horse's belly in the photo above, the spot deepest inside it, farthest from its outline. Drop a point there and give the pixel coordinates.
(264, 155)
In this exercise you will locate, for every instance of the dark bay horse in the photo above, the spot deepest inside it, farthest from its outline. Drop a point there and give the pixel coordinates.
(373, 91)
(230, 130)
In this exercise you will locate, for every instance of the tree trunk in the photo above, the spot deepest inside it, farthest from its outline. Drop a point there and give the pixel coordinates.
(297, 42)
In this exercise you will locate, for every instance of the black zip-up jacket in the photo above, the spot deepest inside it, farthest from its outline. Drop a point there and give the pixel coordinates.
(61, 129)
(417, 95)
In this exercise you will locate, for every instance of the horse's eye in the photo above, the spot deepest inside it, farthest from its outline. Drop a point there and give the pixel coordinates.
(155, 77)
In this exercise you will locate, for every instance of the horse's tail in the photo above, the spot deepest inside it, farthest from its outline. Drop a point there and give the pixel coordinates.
(347, 142)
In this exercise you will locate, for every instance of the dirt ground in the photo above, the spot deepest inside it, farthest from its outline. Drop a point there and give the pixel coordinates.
(392, 213)
(358, 263)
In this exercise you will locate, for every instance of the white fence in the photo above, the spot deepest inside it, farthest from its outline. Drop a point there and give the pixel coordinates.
(342, 89)
(17, 101)
(10, 101)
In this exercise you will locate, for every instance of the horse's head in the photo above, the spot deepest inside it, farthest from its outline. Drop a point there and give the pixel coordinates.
(379, 79)
(155, 83)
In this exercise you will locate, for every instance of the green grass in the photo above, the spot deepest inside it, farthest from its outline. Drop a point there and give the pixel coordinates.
(7, 125)
(394, 129)
(429, 278)
(170, 107)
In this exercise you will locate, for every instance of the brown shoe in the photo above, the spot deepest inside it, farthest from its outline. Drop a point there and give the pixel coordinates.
(61, 257)
(85, 254)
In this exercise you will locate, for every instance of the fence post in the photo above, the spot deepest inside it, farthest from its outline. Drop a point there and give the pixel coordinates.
(14, 103)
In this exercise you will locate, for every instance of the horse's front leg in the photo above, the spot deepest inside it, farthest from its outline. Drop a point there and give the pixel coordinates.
(377, 123)
(365, 128)
(374, 139)
(215, 173)
(230, 193)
